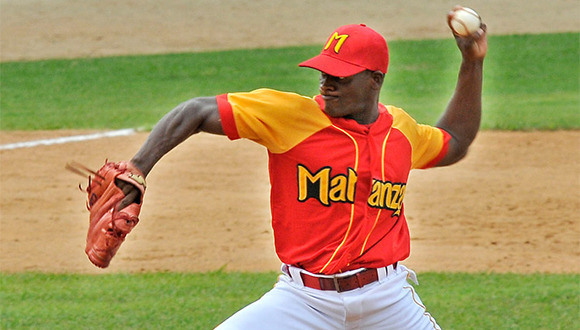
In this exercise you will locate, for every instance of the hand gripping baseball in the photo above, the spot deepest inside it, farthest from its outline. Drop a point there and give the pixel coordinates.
(115, 195)
(473, 45)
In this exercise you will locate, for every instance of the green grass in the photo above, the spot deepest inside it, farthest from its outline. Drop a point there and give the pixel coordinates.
(506, 301)
(133, 91)
(200, 301)
(161, 300)
(531, 82)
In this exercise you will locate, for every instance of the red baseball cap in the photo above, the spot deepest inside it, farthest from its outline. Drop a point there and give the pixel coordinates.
(351, 49)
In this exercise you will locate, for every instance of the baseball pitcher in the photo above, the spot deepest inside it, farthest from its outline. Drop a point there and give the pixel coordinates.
(338, 164)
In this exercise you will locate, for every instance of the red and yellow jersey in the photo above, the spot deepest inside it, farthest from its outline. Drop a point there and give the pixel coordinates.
(337, 186)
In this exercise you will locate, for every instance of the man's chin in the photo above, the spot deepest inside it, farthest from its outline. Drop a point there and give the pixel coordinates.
(332, 113)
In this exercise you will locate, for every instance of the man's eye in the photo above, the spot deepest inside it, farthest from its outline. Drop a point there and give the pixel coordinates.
(325, 77)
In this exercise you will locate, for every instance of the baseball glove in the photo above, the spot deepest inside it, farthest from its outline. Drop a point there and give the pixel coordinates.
(109, 224)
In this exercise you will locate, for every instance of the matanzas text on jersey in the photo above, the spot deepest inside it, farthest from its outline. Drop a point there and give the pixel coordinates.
(341, 188)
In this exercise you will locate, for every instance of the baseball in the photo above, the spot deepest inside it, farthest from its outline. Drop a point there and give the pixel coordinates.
(464, 21)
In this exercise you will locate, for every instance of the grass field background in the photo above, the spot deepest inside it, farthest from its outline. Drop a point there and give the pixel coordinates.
(531, 82)
(201, 301)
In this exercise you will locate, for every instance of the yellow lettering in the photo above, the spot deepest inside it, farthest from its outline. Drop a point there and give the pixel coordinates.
(399, 204)
(387, 195)
(324, 188)
(340, 40)
(352, 179)
(322, 177)
(338, 188)
(375, 197)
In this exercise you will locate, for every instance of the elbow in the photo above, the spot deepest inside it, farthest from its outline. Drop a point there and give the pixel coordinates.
(457, 150)
(457, 156)
(452, 157)
(185, 119)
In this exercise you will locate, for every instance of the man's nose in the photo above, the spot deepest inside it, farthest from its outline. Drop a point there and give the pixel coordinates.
(326, 84)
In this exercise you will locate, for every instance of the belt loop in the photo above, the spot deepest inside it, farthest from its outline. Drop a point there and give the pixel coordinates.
(392, 269)
(336, 284)
(383, 273)
(295, 275)
(358, 281)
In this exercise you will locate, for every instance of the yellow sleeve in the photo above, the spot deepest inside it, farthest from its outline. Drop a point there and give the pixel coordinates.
(429, 144)
(277, 120)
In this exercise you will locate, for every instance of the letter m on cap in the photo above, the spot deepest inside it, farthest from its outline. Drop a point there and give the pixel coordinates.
(340, 38)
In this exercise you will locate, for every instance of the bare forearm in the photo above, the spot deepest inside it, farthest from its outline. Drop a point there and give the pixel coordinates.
(170, 131)
(175, 127)
(463, 114)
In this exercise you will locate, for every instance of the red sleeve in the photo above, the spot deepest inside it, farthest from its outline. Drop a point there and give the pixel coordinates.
(227, 117)
(443, 152)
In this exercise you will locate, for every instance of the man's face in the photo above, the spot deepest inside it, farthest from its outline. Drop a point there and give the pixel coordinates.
(352, 97)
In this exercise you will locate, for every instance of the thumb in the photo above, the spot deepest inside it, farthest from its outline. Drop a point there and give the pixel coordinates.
(130, 198)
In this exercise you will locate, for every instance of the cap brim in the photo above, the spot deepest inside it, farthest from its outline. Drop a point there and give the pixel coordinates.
(332, 66)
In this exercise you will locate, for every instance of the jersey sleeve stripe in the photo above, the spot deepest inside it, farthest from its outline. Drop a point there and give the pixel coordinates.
(227, 117)
(442, 153)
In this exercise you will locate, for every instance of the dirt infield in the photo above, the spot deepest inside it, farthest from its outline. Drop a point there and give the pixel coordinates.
(511, 206)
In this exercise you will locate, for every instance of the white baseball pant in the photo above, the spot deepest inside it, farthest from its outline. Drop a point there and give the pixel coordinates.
(389, 303)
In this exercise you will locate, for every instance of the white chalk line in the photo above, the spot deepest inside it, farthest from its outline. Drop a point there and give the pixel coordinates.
(67, 139)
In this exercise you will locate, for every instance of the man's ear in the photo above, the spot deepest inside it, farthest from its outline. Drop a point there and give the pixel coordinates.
(378, 77)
